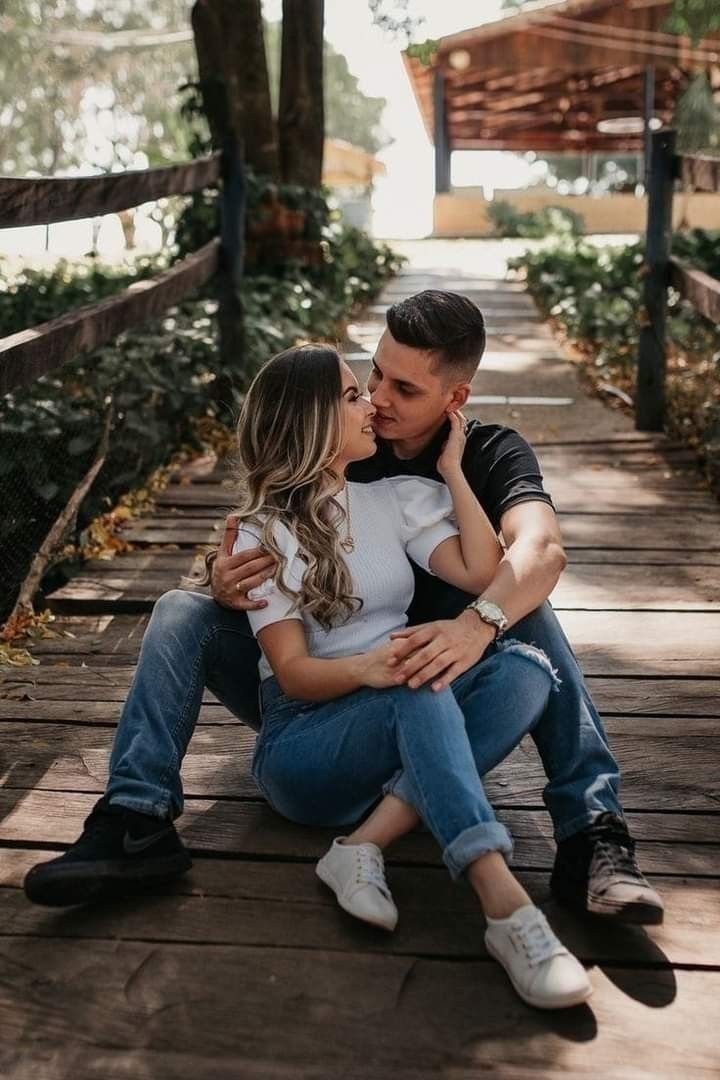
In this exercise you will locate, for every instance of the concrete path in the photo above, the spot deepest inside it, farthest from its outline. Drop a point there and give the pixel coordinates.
(522, 363)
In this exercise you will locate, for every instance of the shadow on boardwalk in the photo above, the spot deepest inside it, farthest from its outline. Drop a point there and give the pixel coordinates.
(246, 967)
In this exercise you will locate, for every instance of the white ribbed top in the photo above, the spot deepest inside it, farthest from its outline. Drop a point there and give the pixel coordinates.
(391, 519)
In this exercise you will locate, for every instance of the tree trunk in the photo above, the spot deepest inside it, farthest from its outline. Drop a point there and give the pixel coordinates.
(234, 79)
(301, 117)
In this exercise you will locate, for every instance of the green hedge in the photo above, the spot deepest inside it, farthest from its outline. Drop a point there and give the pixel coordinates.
(160, 378)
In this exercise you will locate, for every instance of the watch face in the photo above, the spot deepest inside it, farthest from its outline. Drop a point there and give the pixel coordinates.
(492, 610)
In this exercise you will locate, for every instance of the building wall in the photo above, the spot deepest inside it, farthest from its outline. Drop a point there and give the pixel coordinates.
(463, 211)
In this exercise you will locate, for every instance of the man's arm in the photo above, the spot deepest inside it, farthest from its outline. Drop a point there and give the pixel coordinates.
(233, 576)
(527, 574)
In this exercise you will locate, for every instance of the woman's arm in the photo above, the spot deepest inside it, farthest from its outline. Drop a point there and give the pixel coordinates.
(313, 679)
(469, 560)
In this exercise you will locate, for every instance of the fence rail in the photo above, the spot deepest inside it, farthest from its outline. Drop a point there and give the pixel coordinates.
(699, 288)
(661, 270)
(31, 353)
(46, 201)
(27, 355)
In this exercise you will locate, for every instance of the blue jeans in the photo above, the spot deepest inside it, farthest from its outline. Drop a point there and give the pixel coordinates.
(191, 642)
(327, 764)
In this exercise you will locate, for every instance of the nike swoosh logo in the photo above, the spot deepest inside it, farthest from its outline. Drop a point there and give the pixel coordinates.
(133, 847)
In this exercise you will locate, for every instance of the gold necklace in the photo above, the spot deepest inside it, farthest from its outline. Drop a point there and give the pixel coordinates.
(348, 544)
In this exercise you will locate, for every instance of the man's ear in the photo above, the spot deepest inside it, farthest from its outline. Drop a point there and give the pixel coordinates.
(459, 397)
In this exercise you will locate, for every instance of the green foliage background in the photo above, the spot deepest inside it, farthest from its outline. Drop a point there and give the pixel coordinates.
(596, 295)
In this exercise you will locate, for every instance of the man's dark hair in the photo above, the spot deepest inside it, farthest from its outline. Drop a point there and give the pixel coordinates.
(445, 322)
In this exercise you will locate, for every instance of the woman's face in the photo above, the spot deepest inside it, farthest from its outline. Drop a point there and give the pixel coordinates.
(359, 441)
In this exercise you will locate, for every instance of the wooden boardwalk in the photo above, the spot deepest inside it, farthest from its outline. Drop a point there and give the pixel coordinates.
(247, 968)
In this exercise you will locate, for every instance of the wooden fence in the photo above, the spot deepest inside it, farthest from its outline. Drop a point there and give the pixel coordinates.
(662, 270)
(33, 352)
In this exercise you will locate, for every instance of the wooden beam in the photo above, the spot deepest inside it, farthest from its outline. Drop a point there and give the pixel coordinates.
(701, 290)
(549, 142)
(27, 355)
(46, 200)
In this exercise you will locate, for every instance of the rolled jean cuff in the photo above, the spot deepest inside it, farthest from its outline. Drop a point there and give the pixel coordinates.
(473, 842)
(584, 821)
(152, 808)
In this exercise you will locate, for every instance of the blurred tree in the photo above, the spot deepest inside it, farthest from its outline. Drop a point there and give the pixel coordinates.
(697, 115)
(234, 77)
(349, 113)
(92, 85)
(301, 109)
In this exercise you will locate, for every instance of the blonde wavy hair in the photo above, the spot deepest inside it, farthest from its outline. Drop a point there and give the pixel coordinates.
(290, 431)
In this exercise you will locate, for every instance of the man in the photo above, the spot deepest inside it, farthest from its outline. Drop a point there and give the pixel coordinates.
(192, 642)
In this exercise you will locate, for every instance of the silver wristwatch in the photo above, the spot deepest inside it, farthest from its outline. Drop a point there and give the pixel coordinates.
(491, 614)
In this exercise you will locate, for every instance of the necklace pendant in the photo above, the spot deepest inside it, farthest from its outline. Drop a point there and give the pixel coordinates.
(348, 544)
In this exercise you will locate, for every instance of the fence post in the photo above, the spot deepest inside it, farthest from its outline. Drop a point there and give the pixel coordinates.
(232, 259)
(650, 388)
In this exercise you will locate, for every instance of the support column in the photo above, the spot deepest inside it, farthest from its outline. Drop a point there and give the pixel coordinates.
(648, 111)
(650, 388)
(442, 142)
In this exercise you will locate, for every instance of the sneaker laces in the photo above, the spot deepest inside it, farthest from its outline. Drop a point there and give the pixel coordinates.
(103, 822)
(538, 940)
(371, 870)
(614, 855)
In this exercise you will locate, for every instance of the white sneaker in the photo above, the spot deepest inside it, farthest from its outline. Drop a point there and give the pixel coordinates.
(539, 966)
(356, 874)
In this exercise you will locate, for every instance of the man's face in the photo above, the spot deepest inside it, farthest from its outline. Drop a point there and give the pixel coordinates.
(411, 399)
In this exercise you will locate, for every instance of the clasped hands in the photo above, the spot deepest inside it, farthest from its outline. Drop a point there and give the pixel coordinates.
(433, 652)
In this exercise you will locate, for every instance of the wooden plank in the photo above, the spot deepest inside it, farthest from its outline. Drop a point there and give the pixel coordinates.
(691, 530)
(63, 757)
(185, 535)
(580, 587)
(251, 828)
(44, 200)
(605, 643)
(600, 556)
(641, 588)
(212, 495)
(116, 638)
(27, 355)
(285, 1013)
(116, 594)
(88, 711)
(699, 288)
(700, 172)
(644, 643)
(656, 697)
(622, 697)
(285, 906)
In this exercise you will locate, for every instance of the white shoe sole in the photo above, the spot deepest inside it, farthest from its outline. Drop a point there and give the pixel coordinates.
(327, 878)
(565, 1002)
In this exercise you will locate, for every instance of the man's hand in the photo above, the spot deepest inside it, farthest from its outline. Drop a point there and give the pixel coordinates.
(442, 650)
(233, 576)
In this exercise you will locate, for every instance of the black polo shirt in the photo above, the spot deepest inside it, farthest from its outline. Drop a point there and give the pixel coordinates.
(500, 467)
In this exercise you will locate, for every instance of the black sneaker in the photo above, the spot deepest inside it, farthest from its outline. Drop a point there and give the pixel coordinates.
(596, 870)
(119, 852)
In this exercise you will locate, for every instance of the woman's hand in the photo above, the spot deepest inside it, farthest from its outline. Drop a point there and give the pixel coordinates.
(378, 668)
(450, 460)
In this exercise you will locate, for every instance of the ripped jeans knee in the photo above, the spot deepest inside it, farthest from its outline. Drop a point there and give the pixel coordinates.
(513, 647)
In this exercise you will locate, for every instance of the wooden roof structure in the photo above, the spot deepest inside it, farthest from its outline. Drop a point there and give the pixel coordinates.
(543, 79)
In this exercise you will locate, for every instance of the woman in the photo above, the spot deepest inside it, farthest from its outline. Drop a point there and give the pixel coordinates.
(341, 731)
